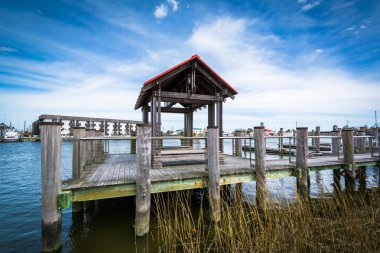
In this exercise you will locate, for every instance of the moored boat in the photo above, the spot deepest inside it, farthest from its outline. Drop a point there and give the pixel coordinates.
(11, 136)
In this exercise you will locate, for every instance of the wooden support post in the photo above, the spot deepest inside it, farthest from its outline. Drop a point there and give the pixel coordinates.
(154, 117)
(87, 148)
(220, 126)
(348, 157)
(159, 127)
(294, 137)
(313, 140)
(335, 143)
(237, 147)
(93, 146)
(51, 142)
(189, 129)
(317, 140)
(301, 160)
(101, 133)
(211, 115)
(213, 171)
(185, 121)
(143, 184)
(260, 167)
(361, 142)
(96, 147)
(78, 132)
(145, 114)
(133, 143)
(281, 140)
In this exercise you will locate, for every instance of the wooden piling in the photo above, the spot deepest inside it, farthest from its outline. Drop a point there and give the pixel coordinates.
(92, 146)
(260, 167)
(281, 140)
(133, 143)
(87, 149)
(213, 171)
(51, 141)
(335, 143)
(361, 141)
(237, 143)
(301, 160)
(348, 153)
(143, 184)
(317, 141)
(78, 132)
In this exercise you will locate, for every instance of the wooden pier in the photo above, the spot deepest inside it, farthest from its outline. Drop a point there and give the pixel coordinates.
(112, 176)
(150, 167)
(116, 176)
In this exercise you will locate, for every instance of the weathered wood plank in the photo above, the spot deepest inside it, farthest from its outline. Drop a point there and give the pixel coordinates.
(51, 142)
(301, 160)
(143, 184)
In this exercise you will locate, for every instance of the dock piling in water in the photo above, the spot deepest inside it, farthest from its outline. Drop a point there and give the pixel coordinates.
(335, 143)
(281, 140)
(51, 185)
(361, 141)
(78, 132)
(143, 184)
(348, 153)
(317, 141)
(213, 171)
(236, 147)
(301, 160)
(260, 166)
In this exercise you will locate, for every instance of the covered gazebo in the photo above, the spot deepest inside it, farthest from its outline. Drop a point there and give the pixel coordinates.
(185, 88)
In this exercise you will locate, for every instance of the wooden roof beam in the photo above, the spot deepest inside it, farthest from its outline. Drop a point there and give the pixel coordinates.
(173, 110)
(195, 97)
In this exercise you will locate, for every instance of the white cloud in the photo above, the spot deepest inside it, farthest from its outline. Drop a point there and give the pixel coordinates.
(313, 92)
(7, 49)
(174, 4)
(310, 6)
(161, 11)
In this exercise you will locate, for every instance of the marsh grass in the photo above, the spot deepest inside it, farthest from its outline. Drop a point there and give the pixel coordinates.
(334, 223)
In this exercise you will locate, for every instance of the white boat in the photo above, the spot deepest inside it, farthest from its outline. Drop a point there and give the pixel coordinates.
(11, 136)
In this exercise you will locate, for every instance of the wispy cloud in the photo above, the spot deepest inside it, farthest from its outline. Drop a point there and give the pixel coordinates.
(281, 79)
(358, 28)
(272, 88)
(309, 6)
(7, 49)
(161, 11)
(174, 4)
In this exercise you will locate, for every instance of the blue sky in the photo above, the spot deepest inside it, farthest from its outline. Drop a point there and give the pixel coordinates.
(305, 61)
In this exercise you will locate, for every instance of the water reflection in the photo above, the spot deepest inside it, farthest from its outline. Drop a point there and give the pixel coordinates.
(107, 225)
(320, 182)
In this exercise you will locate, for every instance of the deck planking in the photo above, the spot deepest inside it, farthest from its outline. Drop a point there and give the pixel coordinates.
(121, 169)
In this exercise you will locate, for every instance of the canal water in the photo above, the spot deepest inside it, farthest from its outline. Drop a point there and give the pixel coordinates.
(107, 225)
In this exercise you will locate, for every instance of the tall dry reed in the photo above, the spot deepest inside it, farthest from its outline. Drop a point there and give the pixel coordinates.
(335, 223)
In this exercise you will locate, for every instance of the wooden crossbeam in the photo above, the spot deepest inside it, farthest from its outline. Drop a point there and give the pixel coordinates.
(195, 97)
(173, 110)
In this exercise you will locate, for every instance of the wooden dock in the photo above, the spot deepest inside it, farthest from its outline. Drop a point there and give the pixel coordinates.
(116, 176)
(100, 175)
(149, 168)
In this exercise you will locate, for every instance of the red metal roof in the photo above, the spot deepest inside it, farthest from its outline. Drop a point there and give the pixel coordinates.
(183, 63)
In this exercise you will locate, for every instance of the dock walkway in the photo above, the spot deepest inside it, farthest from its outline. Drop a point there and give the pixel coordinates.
(119, 172)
